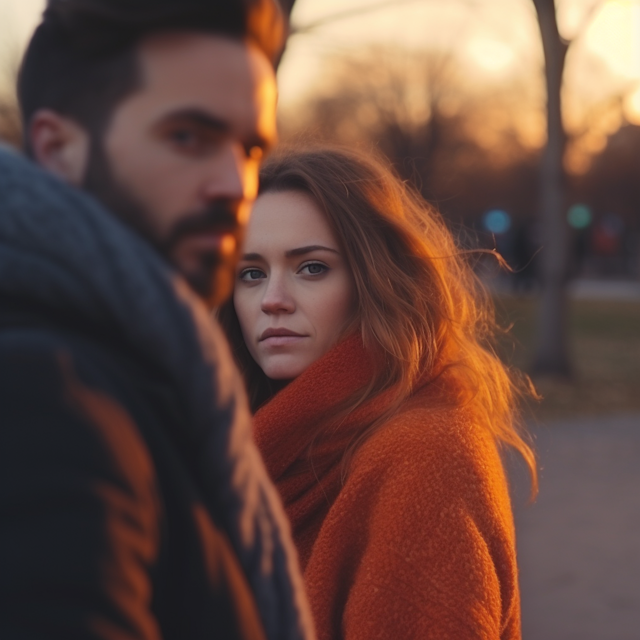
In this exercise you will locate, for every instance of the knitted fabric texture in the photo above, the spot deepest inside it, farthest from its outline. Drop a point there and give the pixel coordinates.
(418, 541)
(60, 249)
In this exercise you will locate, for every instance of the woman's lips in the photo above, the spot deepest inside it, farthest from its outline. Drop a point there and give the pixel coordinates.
(280, 337)
(281, 341)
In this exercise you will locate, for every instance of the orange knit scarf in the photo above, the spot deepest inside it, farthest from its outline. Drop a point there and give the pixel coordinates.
(302, 450)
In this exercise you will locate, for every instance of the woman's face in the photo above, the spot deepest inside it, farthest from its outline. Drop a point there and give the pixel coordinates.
(294, 294)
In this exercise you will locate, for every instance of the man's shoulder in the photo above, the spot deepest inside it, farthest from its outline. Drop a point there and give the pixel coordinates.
(443, 445)
(56, 386)
(62, 436)
(31, 360)
(36, 344)
(24, 341)
(35, 353)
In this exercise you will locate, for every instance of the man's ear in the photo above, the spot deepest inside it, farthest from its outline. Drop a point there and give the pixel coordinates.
(60, 145)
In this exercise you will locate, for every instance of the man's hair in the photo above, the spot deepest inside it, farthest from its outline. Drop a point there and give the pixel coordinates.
(82, 59)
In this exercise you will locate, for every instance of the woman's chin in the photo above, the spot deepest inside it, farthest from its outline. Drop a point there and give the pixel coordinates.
(284, 370)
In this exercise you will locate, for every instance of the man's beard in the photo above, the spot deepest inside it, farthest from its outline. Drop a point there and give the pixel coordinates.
(213, 280)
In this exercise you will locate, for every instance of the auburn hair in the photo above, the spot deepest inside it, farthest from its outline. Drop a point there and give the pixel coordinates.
(421, 308)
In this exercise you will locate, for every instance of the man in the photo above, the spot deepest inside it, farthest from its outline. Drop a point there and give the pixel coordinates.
(133, 503)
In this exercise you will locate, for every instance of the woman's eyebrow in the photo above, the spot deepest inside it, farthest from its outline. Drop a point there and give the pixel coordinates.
(302, 250)
(252, 257)
(291, 253)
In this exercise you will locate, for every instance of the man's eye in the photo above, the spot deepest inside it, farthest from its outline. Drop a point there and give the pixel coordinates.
(182, 136)
(250, 275)
(188, 140)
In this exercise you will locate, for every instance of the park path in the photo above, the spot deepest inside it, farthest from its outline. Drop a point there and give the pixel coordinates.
(579, 543)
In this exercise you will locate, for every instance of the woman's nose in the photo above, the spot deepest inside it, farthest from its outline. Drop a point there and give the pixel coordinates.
(277, 298)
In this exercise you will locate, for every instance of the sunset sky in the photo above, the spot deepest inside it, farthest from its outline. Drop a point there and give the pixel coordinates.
(494, 40)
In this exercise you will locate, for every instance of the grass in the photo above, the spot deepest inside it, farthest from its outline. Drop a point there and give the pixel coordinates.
(604, 342)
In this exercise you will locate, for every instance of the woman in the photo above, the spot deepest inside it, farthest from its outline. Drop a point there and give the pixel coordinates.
(380, 405)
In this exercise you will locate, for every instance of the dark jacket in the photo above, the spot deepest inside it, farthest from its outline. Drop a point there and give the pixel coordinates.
(133, 503)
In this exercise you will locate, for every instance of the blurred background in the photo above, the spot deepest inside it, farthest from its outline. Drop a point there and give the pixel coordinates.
(520, 120)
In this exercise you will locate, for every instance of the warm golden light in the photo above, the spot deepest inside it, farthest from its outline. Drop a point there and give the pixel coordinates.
(496, 42)
(614, 35)
(491, 55)
(18, 19)
(632, 107)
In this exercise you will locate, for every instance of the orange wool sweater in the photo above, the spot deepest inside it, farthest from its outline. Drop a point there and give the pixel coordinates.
(418, 540)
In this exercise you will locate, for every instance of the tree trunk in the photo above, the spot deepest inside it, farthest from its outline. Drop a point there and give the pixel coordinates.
(552, 355)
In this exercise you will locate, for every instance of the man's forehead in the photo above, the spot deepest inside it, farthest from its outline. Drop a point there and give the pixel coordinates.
(191, 53)
(229, 78)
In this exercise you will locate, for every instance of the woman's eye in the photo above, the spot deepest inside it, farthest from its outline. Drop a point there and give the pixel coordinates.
(314, 269)
(250, 275)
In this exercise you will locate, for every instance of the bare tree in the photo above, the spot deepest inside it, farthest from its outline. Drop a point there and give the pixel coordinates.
(399, 100)
(552, 352)
(287, 6)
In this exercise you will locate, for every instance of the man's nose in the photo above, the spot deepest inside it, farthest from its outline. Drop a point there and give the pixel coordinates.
(231, 175)
(277, 296)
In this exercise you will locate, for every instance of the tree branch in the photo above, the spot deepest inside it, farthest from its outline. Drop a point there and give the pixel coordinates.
(591, 11)
(349, 13)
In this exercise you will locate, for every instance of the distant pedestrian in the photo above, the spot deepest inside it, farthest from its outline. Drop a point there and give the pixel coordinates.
(607, 244)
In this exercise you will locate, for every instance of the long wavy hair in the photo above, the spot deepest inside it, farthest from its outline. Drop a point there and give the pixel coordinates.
(421, 308)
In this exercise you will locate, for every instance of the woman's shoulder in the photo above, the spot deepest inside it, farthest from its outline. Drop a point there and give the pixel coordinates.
(442, 449)
(426, 490)
(419, 427)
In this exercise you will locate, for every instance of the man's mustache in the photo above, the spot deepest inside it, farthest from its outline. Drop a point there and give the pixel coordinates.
(220, 217)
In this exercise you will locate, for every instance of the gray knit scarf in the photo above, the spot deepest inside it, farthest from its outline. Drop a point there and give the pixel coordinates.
(61, 249)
